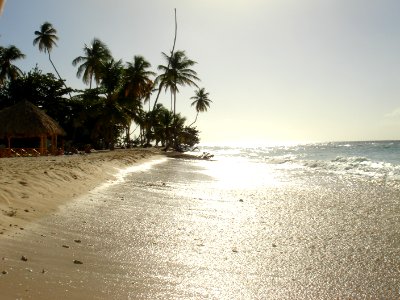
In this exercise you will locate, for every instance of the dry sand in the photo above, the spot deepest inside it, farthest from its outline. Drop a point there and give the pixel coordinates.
(32, 187)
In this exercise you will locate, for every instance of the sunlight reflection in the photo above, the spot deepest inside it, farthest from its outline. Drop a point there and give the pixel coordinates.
(233, 173)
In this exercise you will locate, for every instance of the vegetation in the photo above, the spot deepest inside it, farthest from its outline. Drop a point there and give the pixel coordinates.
(201, 102)
(8, 71)
(102, 116)
(46, 39)
(92, 63)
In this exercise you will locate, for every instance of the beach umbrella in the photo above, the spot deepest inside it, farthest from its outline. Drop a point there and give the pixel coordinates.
(25, 120)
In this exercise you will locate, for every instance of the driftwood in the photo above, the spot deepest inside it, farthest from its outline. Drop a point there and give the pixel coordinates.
(203, 156)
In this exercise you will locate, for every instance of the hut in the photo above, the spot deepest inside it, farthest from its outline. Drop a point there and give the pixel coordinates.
(24, 120)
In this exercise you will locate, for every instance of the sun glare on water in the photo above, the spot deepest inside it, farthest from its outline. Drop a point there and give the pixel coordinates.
(231, 173)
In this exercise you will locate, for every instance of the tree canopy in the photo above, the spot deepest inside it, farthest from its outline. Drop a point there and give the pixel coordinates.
(104, 116)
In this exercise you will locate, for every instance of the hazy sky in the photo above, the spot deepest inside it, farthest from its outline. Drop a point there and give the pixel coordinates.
(276, 70)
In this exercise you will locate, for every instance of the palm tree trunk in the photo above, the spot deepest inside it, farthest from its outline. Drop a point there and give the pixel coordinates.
(55, 69)
(174, 102)
(194, 119)
(90, 83)
(128, 137)
(169, 62)
(175, 129)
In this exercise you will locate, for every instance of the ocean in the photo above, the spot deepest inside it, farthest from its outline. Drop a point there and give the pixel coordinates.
(371, 160)
(305, 221)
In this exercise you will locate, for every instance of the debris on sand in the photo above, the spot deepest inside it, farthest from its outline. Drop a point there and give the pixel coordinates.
(77, 262)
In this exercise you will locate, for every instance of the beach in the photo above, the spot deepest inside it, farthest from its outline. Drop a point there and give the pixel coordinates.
(32, 187)
(234, 227)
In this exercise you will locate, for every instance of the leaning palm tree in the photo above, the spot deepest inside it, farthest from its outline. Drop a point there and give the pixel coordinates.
(95, 56)
(8, 71)
(178, 73)
(46, 39)
(201, 102)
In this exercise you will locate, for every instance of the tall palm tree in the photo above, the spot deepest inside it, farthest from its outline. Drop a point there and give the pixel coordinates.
(177, 74)
(114, 114)
(7, 70)
(95, 56)
(111, 77)
(46, 39)
(201, 102)
(138, 84)
(164, 126)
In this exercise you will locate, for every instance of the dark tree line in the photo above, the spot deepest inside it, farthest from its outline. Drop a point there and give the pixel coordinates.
(104, 114)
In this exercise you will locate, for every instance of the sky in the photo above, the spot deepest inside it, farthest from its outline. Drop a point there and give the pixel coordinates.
(276, 70)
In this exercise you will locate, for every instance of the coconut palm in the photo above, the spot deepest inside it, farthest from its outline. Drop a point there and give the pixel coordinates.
(95, 56)
(177, 74)
(111, 74)
(164, 126)
(138, 84)
(46, 39)
(8, 71)
(201, 102)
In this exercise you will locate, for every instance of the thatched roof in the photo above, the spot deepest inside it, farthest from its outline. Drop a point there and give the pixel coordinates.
(26, 120)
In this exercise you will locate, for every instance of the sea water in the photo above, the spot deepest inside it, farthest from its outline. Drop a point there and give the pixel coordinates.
(380, 159)
(310, 221)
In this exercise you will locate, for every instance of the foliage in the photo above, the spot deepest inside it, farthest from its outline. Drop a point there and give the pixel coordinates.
(177, 73)
(100, 116)
(201, 102)
(188, 138)
(8, 71)
(46, 39)
(92, 62)
(43, 90)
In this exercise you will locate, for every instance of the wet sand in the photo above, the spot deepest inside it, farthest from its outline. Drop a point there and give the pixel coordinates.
(35, 186)
(42, 243)
(32, 187)
(174, 231)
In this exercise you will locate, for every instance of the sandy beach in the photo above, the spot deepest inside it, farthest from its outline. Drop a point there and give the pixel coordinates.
(32, 187)
(196, 229)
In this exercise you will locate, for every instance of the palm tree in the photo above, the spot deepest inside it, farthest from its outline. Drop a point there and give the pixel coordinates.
(114, 115)
(95, 56)
(7, 69)
(164, 126)
(201, 102)
(177, 74)
(46, 39)
(138, 84)
(111, 74)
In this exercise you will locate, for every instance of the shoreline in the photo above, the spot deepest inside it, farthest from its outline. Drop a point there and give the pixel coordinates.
(33, 187)
(172, 232)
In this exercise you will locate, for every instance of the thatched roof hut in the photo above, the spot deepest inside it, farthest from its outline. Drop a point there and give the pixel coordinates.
(25, 120)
